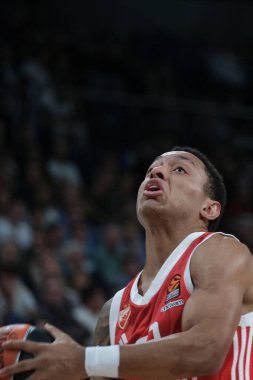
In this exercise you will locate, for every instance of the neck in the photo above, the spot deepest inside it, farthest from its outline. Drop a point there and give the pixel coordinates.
(160, 243)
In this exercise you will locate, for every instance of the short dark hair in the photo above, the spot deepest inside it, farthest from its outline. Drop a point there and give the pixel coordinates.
(214, 187)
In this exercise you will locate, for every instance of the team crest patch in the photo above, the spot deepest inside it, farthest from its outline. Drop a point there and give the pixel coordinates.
(124, 315)
(174, 287)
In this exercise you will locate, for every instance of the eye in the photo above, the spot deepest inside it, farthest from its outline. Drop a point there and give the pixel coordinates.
(179, 169)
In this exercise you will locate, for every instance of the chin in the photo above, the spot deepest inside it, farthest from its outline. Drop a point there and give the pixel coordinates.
(149, 211)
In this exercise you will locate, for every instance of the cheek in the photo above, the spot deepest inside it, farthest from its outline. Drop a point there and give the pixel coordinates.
(195, 194)
(190, 192)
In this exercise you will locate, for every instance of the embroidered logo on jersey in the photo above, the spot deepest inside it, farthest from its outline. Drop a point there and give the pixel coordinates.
(124, 316)
(174, 287)
(172, 304)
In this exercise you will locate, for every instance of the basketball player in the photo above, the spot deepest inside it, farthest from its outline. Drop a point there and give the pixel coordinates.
(189, 313)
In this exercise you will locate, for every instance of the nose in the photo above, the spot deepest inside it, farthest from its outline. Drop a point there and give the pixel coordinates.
(158, 172)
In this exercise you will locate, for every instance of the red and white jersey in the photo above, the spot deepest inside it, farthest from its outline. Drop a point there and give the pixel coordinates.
(158, 313)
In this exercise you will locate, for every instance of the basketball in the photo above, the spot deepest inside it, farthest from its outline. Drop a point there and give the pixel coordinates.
(25, 332)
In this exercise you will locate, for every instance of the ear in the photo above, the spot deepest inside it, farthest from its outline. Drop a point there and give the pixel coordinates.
(211, 209)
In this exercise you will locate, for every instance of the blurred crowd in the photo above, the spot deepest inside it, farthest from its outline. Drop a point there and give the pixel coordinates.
(80, 121)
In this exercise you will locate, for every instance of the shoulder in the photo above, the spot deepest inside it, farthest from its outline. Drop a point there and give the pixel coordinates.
(221, 256)
(223, 247)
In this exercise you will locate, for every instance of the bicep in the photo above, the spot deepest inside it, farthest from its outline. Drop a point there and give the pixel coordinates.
(220, 277)
(214, 312)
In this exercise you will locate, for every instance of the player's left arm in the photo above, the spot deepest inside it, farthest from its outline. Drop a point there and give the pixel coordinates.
(221, 270)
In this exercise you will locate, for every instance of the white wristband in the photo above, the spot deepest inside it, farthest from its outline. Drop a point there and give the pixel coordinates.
(102, 361)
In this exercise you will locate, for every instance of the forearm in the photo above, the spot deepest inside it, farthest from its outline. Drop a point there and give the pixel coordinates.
(181, 355)
(155, 360)
(178, 356)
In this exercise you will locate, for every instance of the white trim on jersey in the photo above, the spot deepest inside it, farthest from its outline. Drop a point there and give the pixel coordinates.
(242, 349)
(235, 356)
(248, 355)
(246, 320)
(187, 274)
(241, 357)
(162, 274)
(114, 312)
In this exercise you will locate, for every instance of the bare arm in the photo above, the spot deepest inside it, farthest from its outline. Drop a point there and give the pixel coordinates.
(221, 275)
(102, 336)
(222, 270)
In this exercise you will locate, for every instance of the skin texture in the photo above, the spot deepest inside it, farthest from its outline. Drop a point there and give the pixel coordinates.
(101, 336)
(221, 270)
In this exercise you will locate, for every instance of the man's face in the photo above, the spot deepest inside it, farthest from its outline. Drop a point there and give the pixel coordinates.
(173, 187)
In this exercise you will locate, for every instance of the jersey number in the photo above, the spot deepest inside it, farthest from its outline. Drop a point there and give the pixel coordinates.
(154, 328)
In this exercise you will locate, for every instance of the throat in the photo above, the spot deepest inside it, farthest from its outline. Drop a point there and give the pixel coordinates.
(144, 284)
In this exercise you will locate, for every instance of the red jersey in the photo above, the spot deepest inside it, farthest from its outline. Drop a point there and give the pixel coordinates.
(158, 313)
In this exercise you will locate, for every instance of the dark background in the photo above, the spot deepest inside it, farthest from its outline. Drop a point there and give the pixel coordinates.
(90, 93)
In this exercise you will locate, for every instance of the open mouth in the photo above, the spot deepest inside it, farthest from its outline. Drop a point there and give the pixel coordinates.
(153, 188)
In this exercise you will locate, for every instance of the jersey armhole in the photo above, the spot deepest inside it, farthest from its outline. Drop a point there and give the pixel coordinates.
(187, 273)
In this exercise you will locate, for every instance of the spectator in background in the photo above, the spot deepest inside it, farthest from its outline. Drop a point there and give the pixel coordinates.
(92, 299)
(74, 258)
(16, 226)
(76, 267)
(61, 168)
(42, 264)
(17, 299)
(57, 309)
(132, 239)
(108, 256)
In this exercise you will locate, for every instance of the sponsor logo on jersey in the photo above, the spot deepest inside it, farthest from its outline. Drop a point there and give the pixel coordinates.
(172, 304)
(174, 287)
(175, 293)
(124, 315)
